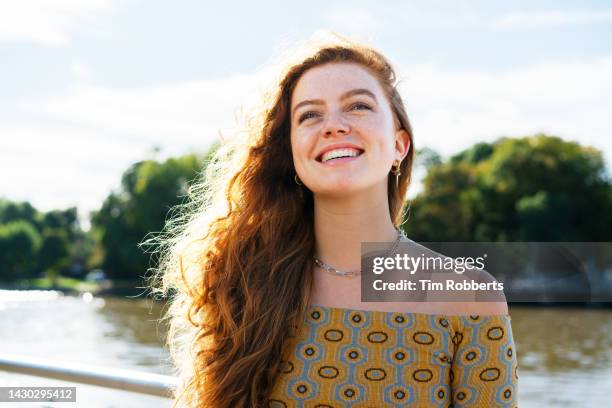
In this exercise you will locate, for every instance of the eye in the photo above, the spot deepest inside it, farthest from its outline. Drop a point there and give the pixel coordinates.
(360, 105)
(307, 115)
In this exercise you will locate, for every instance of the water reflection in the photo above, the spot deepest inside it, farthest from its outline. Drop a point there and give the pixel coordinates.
(561, 339)
(565, 356)
(136, 320)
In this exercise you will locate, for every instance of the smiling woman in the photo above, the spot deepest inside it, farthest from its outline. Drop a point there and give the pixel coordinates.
(265, 310)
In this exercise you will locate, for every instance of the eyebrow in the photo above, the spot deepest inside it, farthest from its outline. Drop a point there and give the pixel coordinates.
(352, 92)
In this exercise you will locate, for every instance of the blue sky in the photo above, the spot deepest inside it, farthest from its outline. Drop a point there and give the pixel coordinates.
(90, 86)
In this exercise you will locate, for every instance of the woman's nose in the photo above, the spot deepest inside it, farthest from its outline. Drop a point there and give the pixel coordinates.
(335, 124)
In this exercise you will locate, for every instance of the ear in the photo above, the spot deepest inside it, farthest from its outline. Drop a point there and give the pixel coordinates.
(402, 144)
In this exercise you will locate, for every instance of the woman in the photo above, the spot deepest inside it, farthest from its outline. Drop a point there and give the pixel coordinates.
(266, 309)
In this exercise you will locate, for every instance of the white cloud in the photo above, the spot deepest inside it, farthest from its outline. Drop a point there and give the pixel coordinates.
(191, 112)
(542, 19)
(47, 22)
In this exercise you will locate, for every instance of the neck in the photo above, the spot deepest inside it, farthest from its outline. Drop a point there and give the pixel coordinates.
(342, 224)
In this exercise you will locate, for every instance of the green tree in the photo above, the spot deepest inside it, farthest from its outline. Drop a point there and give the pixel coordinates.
(19, 244)
(149, 190)
(57, 235)
(54, 253)
(427, 158)
(65, 220)
(16, 211)
(538, 188)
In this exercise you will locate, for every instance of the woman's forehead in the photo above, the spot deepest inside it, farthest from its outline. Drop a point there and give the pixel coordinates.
(333, 80)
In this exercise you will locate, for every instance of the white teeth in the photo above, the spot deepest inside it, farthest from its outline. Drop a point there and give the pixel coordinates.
(333, 154)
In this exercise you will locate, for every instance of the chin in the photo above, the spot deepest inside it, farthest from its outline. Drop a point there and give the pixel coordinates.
(339, 189)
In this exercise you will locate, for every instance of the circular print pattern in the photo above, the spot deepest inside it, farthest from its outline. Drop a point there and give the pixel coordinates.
(375, 374)
(495, 333)
(422, 375)
(423, 338)
(334, 335)
(490, 374)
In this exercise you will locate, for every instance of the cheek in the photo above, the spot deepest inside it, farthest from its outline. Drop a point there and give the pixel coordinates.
(378, 131)
(375, 124)
(298, 149)
(300, 144)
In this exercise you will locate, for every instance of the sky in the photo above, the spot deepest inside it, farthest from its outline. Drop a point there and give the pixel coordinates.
(89, 87)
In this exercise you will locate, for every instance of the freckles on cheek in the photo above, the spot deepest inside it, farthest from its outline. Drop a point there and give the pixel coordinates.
(373, 124)
(384, 121)
(299, 143)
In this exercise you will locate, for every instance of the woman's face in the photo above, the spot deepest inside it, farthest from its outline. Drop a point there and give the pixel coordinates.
(341, 109)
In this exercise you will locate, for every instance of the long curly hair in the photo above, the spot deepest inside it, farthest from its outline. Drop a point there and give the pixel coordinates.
(235, 263)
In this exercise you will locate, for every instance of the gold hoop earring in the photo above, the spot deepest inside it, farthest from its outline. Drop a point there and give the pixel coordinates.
(297, 180)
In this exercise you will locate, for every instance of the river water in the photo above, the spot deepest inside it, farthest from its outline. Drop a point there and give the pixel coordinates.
(565, 355)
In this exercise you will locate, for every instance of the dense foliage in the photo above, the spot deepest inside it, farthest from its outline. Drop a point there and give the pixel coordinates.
(538, 188)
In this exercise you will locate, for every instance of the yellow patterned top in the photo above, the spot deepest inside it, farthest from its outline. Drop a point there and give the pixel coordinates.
(359, 358)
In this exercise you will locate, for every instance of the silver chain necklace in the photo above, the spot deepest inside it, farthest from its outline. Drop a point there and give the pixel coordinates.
(336, 271)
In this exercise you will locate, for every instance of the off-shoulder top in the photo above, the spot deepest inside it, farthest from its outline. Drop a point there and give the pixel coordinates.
(358, 358)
